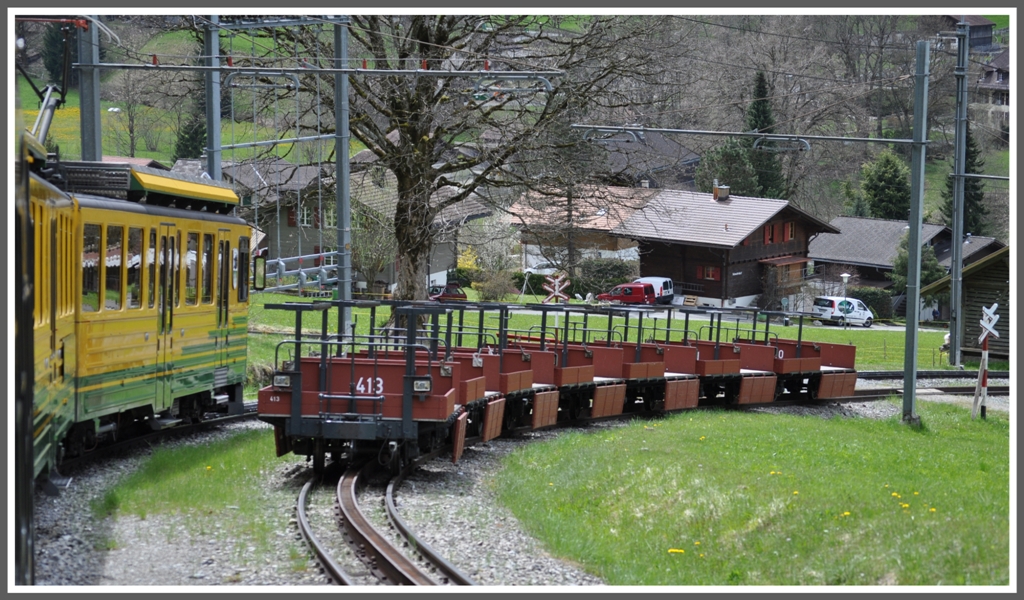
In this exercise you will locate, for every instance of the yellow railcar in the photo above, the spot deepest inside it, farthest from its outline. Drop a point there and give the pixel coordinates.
(141, 304)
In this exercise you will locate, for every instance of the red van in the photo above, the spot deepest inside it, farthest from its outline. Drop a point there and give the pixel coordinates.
(630, 293)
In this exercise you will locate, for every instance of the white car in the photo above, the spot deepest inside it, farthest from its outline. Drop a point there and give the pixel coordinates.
(841, 310)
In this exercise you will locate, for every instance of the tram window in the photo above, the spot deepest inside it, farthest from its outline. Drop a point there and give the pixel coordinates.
(112, 264)
(242, 269)
(134, 264)
(151, 266)
(90, 268)
(234, 269)
(192, 270)
(207, 268)
(176, 277)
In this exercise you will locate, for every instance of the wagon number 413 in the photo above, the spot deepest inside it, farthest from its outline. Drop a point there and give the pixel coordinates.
(369, 385)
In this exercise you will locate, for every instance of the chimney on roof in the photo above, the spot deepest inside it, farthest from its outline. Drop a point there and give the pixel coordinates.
(719, 192)
(644, 183)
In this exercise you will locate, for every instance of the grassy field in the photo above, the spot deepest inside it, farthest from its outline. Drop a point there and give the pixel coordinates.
(723, 498)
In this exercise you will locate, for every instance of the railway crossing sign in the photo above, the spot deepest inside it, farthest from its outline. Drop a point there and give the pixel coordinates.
(988, 322)
(555, 285)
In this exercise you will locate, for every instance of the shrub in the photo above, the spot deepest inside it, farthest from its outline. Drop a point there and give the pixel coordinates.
(494, 286)
(598, 275)
(536, 281)
(878, 300)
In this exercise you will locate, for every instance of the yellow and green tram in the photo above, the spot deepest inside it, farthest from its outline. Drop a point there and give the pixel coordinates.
(140, 310)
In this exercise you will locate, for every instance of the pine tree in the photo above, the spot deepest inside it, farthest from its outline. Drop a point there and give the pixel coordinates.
(975, 212)
(730, 164)
(191, 142)
(53, 52)
(765, 162)
(886, 186)
(931, 270)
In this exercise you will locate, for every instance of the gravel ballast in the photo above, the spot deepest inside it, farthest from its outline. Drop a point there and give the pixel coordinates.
(451, 505)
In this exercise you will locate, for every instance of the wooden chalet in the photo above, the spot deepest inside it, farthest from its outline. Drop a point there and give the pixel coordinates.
(717, 248)
(985, 282)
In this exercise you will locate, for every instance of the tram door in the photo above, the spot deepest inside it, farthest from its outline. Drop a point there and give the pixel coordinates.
(167, 259)
(223, 295)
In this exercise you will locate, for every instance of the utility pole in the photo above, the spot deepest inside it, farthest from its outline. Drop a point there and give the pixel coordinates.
(956, 273)
(89, 92)
(211, 51)
(341, 145)
(914, 239)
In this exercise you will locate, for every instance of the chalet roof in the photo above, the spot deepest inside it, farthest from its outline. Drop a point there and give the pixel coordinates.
(649, 152)
(865, 241)
(596, 208)
(1001, 62)
(972, 20)
(976, 246)
(943, 284)
(696, 218)
(275, 176)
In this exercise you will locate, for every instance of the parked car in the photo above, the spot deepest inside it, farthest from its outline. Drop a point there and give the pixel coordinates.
(544, 268)
(630, 293)
(663, 288)
(450, 291)
(840, 310)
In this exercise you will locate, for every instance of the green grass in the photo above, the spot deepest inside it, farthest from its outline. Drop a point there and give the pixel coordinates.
(728, 498)
(214, 485)
(1001, 21)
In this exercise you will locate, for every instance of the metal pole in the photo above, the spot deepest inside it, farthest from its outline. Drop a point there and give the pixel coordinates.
(914, 239)
(341, 150)
(211, 51)
(89, 92)
(956, 273)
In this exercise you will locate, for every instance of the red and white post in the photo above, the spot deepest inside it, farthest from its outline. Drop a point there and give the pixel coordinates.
(988, 327)
(981, 390)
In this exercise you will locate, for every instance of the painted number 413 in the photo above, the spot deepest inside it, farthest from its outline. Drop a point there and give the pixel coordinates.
(370, 385)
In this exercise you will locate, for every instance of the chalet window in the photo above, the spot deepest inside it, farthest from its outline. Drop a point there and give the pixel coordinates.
(330, 218)
(769, 234)
(789, 231)
(306, 216)
(709, 273)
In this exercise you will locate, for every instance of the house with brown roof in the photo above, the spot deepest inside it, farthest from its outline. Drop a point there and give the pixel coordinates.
(723, 250)
(981, 30)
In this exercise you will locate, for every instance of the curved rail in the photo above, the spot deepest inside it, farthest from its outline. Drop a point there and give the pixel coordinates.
(448, 570)
(331, 568)
(383, 559)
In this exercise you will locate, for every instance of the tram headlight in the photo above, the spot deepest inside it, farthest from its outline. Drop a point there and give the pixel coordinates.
(282, 380)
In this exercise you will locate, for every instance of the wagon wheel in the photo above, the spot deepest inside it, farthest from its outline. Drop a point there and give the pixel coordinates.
(319, 457)
(779, 387)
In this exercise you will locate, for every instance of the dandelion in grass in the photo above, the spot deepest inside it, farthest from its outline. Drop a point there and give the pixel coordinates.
(932, 509)
(676, 551)
(702, 438)
(796, 493)
(696, 543)
(895, 495)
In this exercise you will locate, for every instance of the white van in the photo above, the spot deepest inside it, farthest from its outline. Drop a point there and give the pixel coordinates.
(663, 288)
(840, 310)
